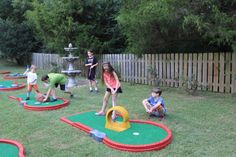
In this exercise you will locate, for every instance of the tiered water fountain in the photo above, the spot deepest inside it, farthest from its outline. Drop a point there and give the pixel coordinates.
(70, 72)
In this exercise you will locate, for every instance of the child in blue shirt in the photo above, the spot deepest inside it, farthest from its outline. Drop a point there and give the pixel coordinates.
(154, 105)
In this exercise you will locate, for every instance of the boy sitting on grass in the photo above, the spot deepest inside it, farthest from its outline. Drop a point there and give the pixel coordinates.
(154, 105)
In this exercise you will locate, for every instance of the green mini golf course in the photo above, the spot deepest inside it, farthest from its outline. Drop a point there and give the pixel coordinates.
(9, 86)
(32, 104)
(141, 136)
(9, 148)
(14, 76)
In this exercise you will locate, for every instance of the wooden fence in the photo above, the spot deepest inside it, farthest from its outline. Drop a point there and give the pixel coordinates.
(211, 71)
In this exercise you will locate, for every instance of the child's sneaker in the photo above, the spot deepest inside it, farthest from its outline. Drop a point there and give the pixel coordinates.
(101, 113)
(161, 117)
(53, 100)
(90, 90)
(151, 115)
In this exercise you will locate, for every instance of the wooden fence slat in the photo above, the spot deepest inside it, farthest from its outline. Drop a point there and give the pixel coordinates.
(233, 76)
(125, 68)
(216, 72)
(199, 71)
(135, 68)
(132, 68)
(157, 67)
(172, 70)
(181, 70)
(221, 81)
(168, 69)
(195, 66)
(227, 72)
(160, 72)
(142, 70)
(176, 70)
(164, 69)
(129, 67)
(190, 67)
(210, 62)
(153, 64)
(204, 72)
(145, 67)
(139, 70)
(185, 72)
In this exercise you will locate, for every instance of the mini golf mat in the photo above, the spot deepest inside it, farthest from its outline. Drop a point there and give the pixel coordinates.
(4, 72)
(9, 148)
(141, 136)
(32, 104)
(9, 86)
(14, 76)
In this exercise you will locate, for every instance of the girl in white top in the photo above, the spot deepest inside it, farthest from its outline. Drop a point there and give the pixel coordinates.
(31, 80)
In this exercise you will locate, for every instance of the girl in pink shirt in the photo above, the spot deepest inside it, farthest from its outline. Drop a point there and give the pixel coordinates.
(110, 79)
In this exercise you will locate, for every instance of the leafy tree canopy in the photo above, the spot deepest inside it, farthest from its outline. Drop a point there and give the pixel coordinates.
(85, 24)
(178, 26)
(16, 38)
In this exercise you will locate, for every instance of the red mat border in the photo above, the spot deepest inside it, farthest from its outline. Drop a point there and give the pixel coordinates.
(124, 147)
(17, 144)
(42, 108)
(8, 77)
(4, 72)
(13, 88)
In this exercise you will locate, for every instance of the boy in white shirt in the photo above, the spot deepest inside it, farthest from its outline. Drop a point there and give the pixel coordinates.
(31, 80)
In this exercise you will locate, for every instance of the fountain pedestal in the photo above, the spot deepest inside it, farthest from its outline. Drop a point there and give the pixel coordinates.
(71, 72)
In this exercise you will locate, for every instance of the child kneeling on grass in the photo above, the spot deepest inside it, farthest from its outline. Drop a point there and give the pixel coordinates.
(53, 80)
(154, 105)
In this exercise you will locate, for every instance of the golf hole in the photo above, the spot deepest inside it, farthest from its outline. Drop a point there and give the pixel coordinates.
(135, 133)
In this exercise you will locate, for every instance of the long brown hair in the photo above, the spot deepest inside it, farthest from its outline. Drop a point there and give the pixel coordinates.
(110, 70)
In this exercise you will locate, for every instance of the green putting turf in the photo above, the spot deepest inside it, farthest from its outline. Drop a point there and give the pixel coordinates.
(33, 102)
(6, 84)
(147, 133)
(16, 75)
(8, 150)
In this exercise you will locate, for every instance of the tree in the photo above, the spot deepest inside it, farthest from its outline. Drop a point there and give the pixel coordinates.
(16, 38)
(172, 26)
(16, 41)
(86, 24)
(215, 21)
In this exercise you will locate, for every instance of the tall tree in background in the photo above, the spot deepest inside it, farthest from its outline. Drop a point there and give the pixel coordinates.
(178, 26)
(86, 24)
(16, 38)
(214, 20)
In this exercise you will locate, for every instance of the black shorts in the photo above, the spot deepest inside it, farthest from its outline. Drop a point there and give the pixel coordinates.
(62, 86)
(91, 74)
(119, 90)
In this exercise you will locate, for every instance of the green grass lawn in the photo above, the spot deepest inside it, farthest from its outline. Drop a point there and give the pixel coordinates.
(202, 125)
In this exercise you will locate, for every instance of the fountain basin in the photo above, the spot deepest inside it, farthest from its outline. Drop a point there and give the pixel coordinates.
(70, 59)
(71, 71)
(71, 76)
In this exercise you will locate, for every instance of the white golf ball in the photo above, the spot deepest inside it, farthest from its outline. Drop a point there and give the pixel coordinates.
(135, 133)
